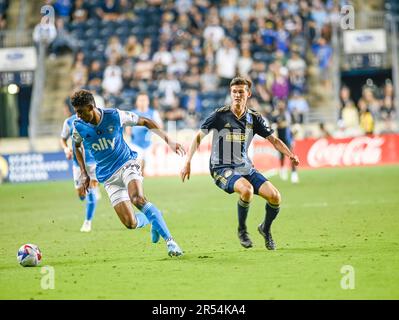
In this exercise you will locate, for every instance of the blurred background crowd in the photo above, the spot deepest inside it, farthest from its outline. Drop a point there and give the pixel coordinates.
(183, 53)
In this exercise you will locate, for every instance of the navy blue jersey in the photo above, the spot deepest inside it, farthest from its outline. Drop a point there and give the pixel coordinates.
(105, 140)
(232, 136)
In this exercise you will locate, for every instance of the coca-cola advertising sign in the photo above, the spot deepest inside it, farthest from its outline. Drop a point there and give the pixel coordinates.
(358, 151)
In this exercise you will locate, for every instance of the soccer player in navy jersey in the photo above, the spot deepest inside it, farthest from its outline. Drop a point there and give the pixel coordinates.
(101, 132)
(233, 128)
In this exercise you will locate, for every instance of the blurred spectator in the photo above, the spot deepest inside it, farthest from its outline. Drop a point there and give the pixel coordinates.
(244, 10)
(280, 86)
(180, 58)
(80, 11)
(192, 78)
(319, 14)
(282, 37)
(208, 79)
(387, 110)
(345, 98)
(323, 52)
(109, 10)
(366, 118)
(143, 68)
(79, 71)
(213, 32)
(132, 47)
(169, 88)
(162, 56)
(226, 61)
(350, 115)
(95, 73)
(192, 104)
(63, 42)
(297, 71)
(112, 83)
(298, 106)
(373, 105)
(245, 62)
(63, 9)
(114, 48)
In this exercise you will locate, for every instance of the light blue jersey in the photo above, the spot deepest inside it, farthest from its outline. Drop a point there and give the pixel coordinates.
(105, 140)
(66, 133)
(141, 136)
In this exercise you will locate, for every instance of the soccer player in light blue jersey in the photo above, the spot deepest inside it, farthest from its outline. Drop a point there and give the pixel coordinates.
(101, 132)
(90, 164)
(140, 135)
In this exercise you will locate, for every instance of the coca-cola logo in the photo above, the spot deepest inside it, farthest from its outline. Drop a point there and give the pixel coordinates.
(358, 151)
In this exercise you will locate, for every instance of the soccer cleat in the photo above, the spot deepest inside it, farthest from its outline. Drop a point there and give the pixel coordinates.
(154, 235)
(86, 227)
(269, 243)
(294, 177)
(244, 238)
(173, 248)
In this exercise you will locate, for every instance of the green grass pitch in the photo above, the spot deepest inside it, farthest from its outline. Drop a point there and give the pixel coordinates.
(333, 218)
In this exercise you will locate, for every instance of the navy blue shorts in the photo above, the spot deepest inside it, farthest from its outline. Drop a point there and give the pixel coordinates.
(225, 178)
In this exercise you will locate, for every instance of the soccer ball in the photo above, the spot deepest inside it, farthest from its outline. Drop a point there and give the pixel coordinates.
(29, 255)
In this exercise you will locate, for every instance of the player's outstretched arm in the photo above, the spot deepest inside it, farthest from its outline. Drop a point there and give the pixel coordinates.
(186, 171)
(281, 146)
(154, 127)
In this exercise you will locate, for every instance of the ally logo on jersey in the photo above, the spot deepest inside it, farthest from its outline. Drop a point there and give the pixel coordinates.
(103, 144)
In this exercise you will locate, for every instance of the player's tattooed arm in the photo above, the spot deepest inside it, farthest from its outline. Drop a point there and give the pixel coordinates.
(281, 146)
(154, 127)
(186, 170)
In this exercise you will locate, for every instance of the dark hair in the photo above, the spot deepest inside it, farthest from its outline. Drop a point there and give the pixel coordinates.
(82, 98)
(241, 80)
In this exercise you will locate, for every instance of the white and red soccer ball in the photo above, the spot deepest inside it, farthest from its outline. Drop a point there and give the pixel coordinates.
(29, 255)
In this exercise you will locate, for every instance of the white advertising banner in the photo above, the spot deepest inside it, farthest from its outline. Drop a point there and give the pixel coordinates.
(18, 59)
(365, 41)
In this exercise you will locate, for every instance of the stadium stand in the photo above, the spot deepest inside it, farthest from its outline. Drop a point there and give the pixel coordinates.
(187, 50)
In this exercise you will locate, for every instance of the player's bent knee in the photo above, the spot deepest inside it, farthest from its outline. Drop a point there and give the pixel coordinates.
(131, 224)
(275, 197)
(247, 192)
(138, 201)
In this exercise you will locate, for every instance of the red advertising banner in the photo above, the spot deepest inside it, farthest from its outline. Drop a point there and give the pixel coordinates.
(358, 151)
(313, 153)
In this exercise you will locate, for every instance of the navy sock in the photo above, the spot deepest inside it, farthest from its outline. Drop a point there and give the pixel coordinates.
(242, 208)
(91, 204)
(272, 211)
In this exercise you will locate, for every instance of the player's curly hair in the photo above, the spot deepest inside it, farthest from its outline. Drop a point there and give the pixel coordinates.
(82, 98)
(241, 80)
